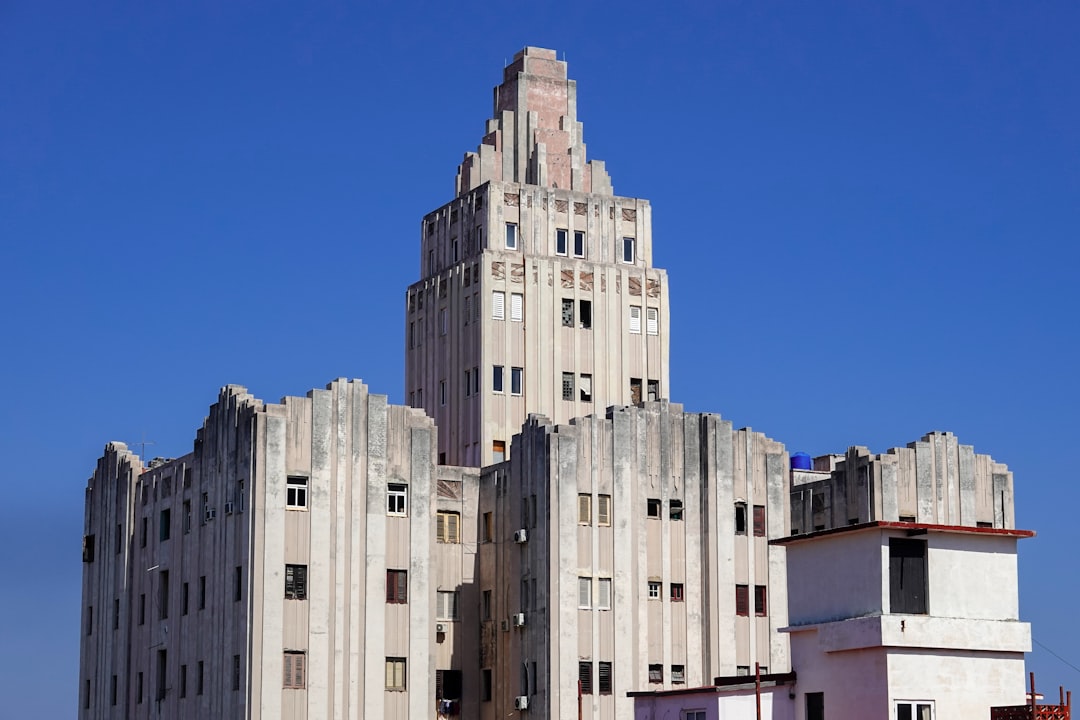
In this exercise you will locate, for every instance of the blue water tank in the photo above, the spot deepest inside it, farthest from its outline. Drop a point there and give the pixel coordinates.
(802, 461)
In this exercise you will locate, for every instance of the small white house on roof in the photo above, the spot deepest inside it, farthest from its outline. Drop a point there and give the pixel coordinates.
(905, 620)
(729, 698)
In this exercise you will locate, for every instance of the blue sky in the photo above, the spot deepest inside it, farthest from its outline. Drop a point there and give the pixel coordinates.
(869, 213)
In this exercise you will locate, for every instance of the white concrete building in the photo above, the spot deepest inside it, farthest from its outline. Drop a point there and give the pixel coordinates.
(538, 293)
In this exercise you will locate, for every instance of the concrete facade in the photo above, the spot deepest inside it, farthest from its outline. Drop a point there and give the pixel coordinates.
(193, 605)
(615, 539)
(538, 293)
(935, 480)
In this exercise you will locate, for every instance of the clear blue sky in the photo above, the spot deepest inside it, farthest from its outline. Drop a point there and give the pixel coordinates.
(869, 213)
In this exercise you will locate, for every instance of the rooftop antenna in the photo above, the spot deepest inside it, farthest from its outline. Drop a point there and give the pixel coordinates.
(142, 447)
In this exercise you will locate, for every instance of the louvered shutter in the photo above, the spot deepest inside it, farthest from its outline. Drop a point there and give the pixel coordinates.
(652, 318)
(635, 319)
(498, 305)
(517, 307)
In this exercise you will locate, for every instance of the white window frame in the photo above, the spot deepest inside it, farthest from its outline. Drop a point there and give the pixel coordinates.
(498, 379)
(580, 234)
(914, 706)
(296, 493)
(517, 307)
(603, 594)
(517, 379)
(628, 243)
(397, 499)
(563, 235)
(511, 236)
(635, 319)
(654, 589)
(498, 305)
(693, 715)
(443, 321)
(652, 321)
(446, 605)
(584, 593)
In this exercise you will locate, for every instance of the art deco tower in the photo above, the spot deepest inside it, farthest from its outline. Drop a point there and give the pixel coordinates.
(538, 293)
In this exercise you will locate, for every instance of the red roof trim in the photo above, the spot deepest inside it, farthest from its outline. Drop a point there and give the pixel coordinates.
(722, 685)
(889, 525)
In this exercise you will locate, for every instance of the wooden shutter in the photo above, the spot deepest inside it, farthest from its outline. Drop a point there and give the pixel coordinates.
(585, 677)
(605, 677)
(603, 510)
(742, 600)
(584, 511)
(440, 527)
(759, 520)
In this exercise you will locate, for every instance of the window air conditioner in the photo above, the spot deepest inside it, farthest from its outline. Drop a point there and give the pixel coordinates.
(519, 620)
(229, 508)
(521, 536)
(211, 513)
(521, 702)
(440, 627)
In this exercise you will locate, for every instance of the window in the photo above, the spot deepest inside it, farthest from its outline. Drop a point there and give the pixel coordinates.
(144, 530)
(488, 527)
(568, 386)
(677, 592)
(498, 451)
(448, 684)
(675, 509)
(740, 518)
(116, 613)
(561, 237)
(238, 584)
(485, 681)
(742, 670)
(693, 715)
(654, 590)
(89, 619)
(485, 605)
(498, 305)
(603, 510)
(442, 392)
(579, 243)
(652, 321)
(603, 595)
(397, 586)
(656, 673)
(86, 695)
(88, 549)
(604, 677)
(397, 496)
(142, 608)
(468, 383)
(654, 390)
(635, 319)
(761, 607)
(183, 600)
(635, 391)
(568, 312)
(759, 520)
(187, 517)
(296, 492)
(235, 672)
(584, 675)
(742, 600)
(199, 679)
(296, 582)
(138, 688)
(113, 689)
(652, 508)
(815, 706)
(915, 710)
(448, 527)
(446, 605)
(395, 673)
(119, 538)
(497, 378)
(444, 322)
(678, 674)
(628, 249)
(202, 592)
(907, 576)
(585, 314)
(163, 594)
(584, 585)
(511, 236)
(517, 376)
(517, 307)
(584, 509)
(294, 670)
(162, 673)
(585, 387)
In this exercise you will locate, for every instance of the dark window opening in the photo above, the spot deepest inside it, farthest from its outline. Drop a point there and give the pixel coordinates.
(740, 518)
(447, 684)
(397, 586)
(761, 606)
(907, 576)
(585, 677)
(88, 548)
(759, 520)
(815, 706)
(742, 600)
(296, 582)
(604, 677)
(485, 690)
(585, 313)
(652, 507)
(675, 509)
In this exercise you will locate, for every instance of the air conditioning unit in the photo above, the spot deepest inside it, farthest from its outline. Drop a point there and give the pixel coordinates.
(211, 513)
(521, 536)
(521, 702)
(229, 508)
(519, 620)
(440, 627)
